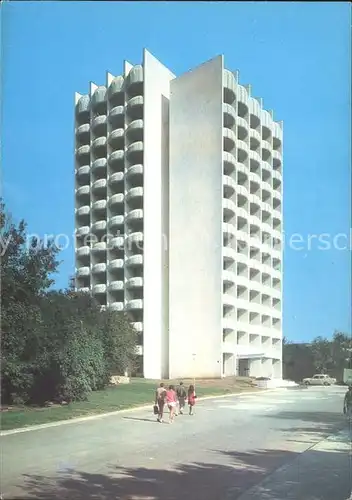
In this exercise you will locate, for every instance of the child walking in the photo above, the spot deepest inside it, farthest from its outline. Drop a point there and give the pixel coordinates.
(171, 400)
(191, 398)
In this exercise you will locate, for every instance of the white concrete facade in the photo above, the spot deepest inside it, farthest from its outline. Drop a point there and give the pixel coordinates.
(179, 217)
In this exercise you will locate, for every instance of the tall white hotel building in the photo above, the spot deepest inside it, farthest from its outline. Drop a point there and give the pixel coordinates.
(179, 179)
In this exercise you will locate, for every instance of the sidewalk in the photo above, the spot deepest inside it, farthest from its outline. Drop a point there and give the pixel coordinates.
(324, 472)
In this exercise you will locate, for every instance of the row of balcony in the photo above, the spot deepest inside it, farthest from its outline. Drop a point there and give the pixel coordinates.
(257, 167)
(83, 152)
(117, 242)
(98, 126)
(114, 286)
(115, 199)
(100, 165)
(129, 86)
(87, 109)
(130, 305)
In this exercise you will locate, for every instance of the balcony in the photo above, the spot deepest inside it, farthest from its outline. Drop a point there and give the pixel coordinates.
(116, 159)
(229, 115)
(83, 251)
(116, 264)
(138, 326)
(255, 137)
(83, 271)
(134, 215)
(116, 200)
(84, 289)
(134, 304)
(229, 230)
(134, 131)
(116, 306)
(116, 221)
(277, 160)
(229, 255)
(229, 140)
(116, 86)
(134, 283)
(99, 124)
(135, 171)
(83, 154)
(83, 211)
(116, 138)
(83, 133)
(135, 152)
(230, 85)
(228, 278)
(99, 206)
(229, 209)
(135, 107)
(242, 151)
(134, 238)
(83, 107)
(83, 174)
(83, 192)
(99, 186)
(136, 192)
(229, 186)
(99, 226)
(117, 243)
(134, 79)
(242, 127)
(117, 116)
(99, 268)
(99, 146)
(255, 158)
(82, 231)
(242, 96)
(99, 289)
(99, 247)
(98, 99)
(229, 163)
(99, 166)
(134, 261)
(116, 286)
(116, 178)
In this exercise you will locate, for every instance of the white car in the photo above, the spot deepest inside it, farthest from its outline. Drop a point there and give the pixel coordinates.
(319, 380)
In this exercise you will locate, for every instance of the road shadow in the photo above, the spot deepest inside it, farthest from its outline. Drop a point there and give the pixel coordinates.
(195, 481)
(152, 420)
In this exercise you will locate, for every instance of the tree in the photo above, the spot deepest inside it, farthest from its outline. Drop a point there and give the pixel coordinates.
(26, 266)
(55, 344)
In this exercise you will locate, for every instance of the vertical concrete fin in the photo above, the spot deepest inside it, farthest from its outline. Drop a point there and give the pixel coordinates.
(127, 67)
(92, 88)
(109, 78)
(77, 97)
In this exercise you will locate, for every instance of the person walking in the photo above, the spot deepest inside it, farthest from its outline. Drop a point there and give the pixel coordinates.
(191, 399)
(171, 400)
(160, 396)
(181, 398)
(347, 403)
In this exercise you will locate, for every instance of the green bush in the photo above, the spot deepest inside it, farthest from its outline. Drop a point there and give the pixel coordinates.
(55, 345)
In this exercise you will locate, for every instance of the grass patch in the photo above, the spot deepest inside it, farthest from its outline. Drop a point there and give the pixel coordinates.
(138, 392)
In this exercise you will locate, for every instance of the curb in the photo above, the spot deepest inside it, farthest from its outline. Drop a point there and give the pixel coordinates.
(121, 412)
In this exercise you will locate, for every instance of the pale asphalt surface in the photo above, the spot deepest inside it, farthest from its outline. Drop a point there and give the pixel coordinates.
(267, 446)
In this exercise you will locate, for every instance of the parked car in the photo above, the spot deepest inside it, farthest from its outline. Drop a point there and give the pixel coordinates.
(321, 379)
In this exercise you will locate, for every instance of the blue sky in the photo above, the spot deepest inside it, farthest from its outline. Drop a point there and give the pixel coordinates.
(295, 55)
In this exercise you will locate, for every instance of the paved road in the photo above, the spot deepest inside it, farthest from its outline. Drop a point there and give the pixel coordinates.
(250, 447)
